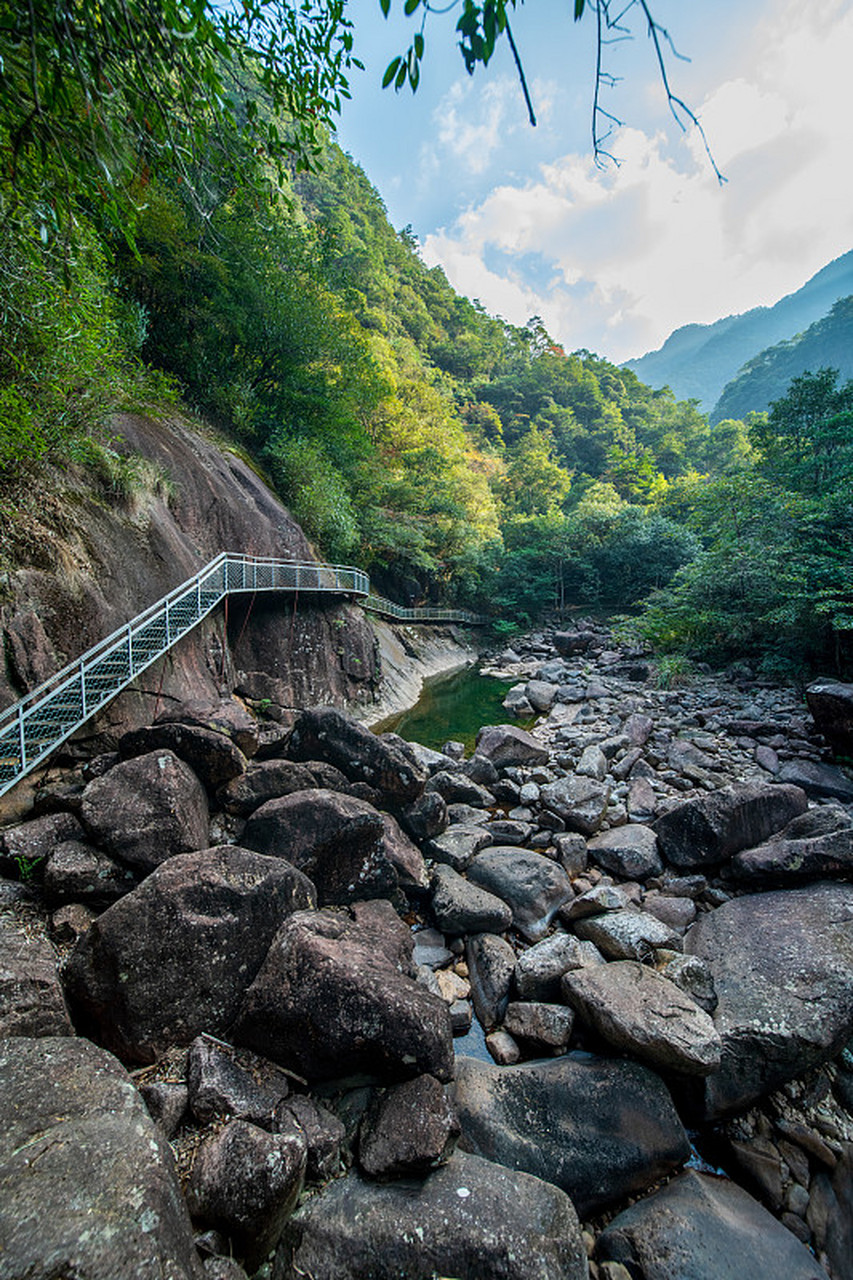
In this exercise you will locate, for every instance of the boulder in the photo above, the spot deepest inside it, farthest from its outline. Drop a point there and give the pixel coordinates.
(173, 957)
(335, 997)
(408, 1131)
(87, 1182)
(246, 1182)
(491, 962)
(640, 1012)
(271, 779)
(541, 694)
(31, 1001)
(468, 1218)
(535, 887)
(713, 827)
(505, 745)
(568, 643)
(831, 705)
(323, 1134)
(222, 1081)
(405, 857)
(593, 763)
(460, 907)
(77, 872)
(227, 716)
(597, 1128)
(781, 965)
(328, 734)
(700, 1227)
(818, 844)
(630, 852)
(542, 1028)
(336, 840)
(819, 781)
(147, 810)
(426, 818)
(455, 788)
(213, 757)
(628, 935)
(580, 802)
(458, 845)
(539, 969)
(24, 846)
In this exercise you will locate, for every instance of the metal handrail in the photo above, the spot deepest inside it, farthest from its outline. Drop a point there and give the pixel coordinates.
(33, 728)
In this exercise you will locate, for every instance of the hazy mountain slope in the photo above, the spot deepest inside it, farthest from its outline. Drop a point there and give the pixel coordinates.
(697, 361)
(828, 343)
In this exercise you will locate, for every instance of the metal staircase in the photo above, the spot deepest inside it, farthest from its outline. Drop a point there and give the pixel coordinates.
(33, 728)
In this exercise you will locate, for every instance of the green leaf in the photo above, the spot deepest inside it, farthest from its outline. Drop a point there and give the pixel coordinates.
(390, 72)
(578, 9)
(419, 45)
(410, 7)
(385, 6)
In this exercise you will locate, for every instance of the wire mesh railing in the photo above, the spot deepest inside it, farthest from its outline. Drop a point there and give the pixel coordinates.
(34, 727)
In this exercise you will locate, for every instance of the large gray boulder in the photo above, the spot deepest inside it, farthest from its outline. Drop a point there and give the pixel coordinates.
(271, 779)
(580, 802)
(246, 1182)
(600, 1129)
(411, 1129)
(627, 935)
(213, 756)
(335, 997)
(336, 840)
(460, 907)
(228, 716)
(535, 887)
(639, 1011)
(469, 1218)
(87, 1183)
(712, 828)
(539, 969)
(816, 845)
(147, 810)
(630, 852)
(31, 1001)
(174, 957)
(704, 1228)
(505, 745)
(325, 733)
(781, 964)
(819, 781)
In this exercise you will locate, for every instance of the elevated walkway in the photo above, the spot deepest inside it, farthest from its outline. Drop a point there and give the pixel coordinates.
(33, 728)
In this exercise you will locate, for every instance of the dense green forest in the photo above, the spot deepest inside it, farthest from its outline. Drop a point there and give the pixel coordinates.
(451, 454)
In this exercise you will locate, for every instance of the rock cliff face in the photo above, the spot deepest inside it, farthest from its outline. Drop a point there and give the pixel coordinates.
(112, 561)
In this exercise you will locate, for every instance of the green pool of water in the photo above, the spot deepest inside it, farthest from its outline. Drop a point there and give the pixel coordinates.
(454, 706)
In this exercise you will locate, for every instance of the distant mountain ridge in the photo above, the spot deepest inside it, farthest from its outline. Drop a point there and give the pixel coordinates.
(698, 360)
(828, 343)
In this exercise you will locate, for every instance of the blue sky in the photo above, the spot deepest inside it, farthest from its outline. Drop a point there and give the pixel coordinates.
(614, 259)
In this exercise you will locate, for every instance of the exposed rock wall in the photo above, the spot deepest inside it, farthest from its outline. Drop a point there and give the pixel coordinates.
(113, 560)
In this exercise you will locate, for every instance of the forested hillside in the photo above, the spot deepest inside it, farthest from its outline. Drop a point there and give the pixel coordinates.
(451, 454)
(764, 378)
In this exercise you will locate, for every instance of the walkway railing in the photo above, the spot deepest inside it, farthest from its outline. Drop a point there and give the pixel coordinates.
(34, 727)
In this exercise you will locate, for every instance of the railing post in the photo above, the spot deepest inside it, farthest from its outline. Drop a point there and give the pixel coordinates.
(22, 741)
(130, 649)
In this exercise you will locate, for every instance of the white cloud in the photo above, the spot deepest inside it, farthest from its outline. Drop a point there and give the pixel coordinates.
(657, 242)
